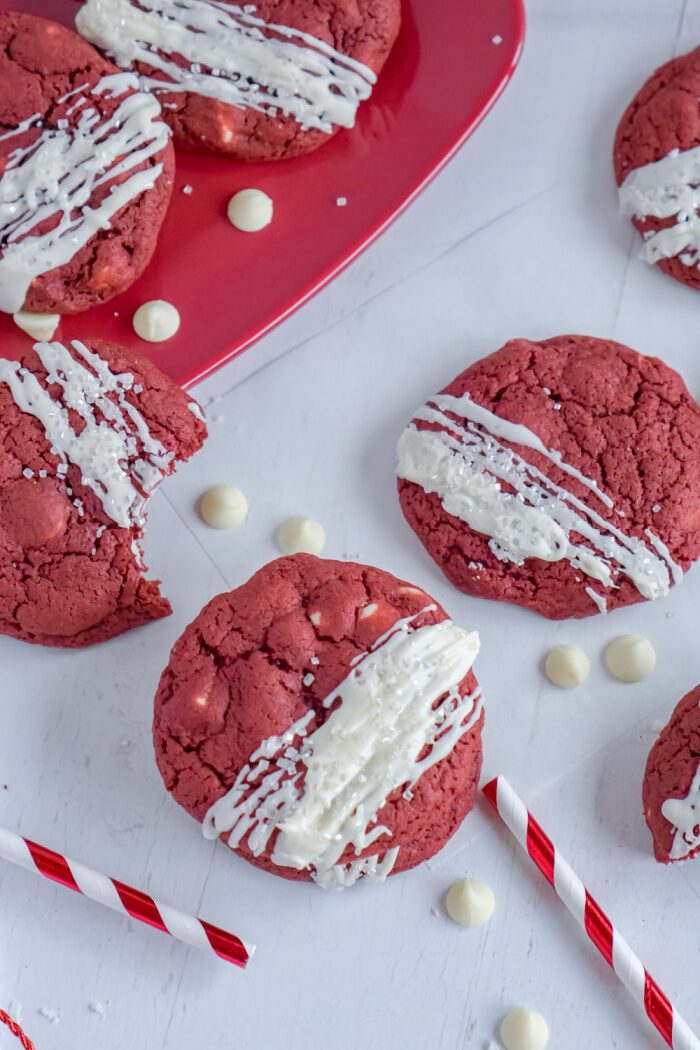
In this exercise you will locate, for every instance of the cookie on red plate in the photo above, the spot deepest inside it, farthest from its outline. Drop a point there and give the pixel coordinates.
(561, 475)
(254, 82)
(671, 791)
(87, 432)
(324, 720)
(86, 171)
(657, 167)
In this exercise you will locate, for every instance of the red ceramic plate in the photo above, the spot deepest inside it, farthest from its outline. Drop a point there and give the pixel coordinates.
(442, 77)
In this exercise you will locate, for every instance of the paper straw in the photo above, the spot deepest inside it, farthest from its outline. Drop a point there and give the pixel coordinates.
(120, 897)
(588, 913)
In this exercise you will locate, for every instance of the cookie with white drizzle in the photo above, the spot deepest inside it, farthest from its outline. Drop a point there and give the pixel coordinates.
(562, 476)
(671, 791)
(261, 81)
(324, 720)
(657, 167)
(87, 432)
(86, 171)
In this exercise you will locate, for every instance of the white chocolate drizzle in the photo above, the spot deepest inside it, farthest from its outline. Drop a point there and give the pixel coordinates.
(667, 188)
(116, 454)
(467, 466)
(321, 791)
(232, 56)
(369, 869)
(54, 179)
(684, 815)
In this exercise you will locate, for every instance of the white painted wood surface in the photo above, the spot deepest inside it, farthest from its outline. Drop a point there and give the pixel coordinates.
(519, 236)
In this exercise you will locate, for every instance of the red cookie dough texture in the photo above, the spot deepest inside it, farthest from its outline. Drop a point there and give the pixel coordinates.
(663, 116)
(671, 770)
(69, 578)
(365, 30)
(40, 62)
(625, 421)
(238, 676)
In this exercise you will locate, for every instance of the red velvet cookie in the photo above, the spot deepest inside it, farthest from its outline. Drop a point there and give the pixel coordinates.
(262, 123)
(671, 791)
(562, 476)
(315, 704)
(86, 434)
(654, 162)
(69, 117)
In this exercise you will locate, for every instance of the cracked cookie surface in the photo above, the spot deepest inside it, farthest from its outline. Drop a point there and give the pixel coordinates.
(625, 421)
(69, 575)
(663, 116)
(40, 63)
(242, 673)
(671, 768)
(363, 29)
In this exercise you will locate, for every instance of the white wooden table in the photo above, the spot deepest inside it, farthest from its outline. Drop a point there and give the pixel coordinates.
(519, 236)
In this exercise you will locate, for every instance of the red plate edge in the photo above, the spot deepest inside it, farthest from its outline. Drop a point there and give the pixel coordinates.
(190, 361)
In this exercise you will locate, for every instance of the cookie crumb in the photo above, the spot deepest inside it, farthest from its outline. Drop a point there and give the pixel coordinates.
(51, 1015)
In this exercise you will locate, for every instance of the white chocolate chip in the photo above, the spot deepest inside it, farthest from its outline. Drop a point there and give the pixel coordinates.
(250, 210)
(368, 610)
(39, 326)
(470, 902)
(301, 535)
(315, 618)
(223, 507)
(630, 658)
(156, 321)
(567, 666)
(524, 1029)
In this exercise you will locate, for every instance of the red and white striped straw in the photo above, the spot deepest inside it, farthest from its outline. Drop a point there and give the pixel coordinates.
(607, 939)
(120, 897)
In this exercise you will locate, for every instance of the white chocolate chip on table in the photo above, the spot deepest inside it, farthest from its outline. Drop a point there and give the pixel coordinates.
(524, 1029)
(156, 321)
(301, 535)
(630, 658)
(223, 507)
(567, 666)
(250, 210)
(470, 902)
(41, 327)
